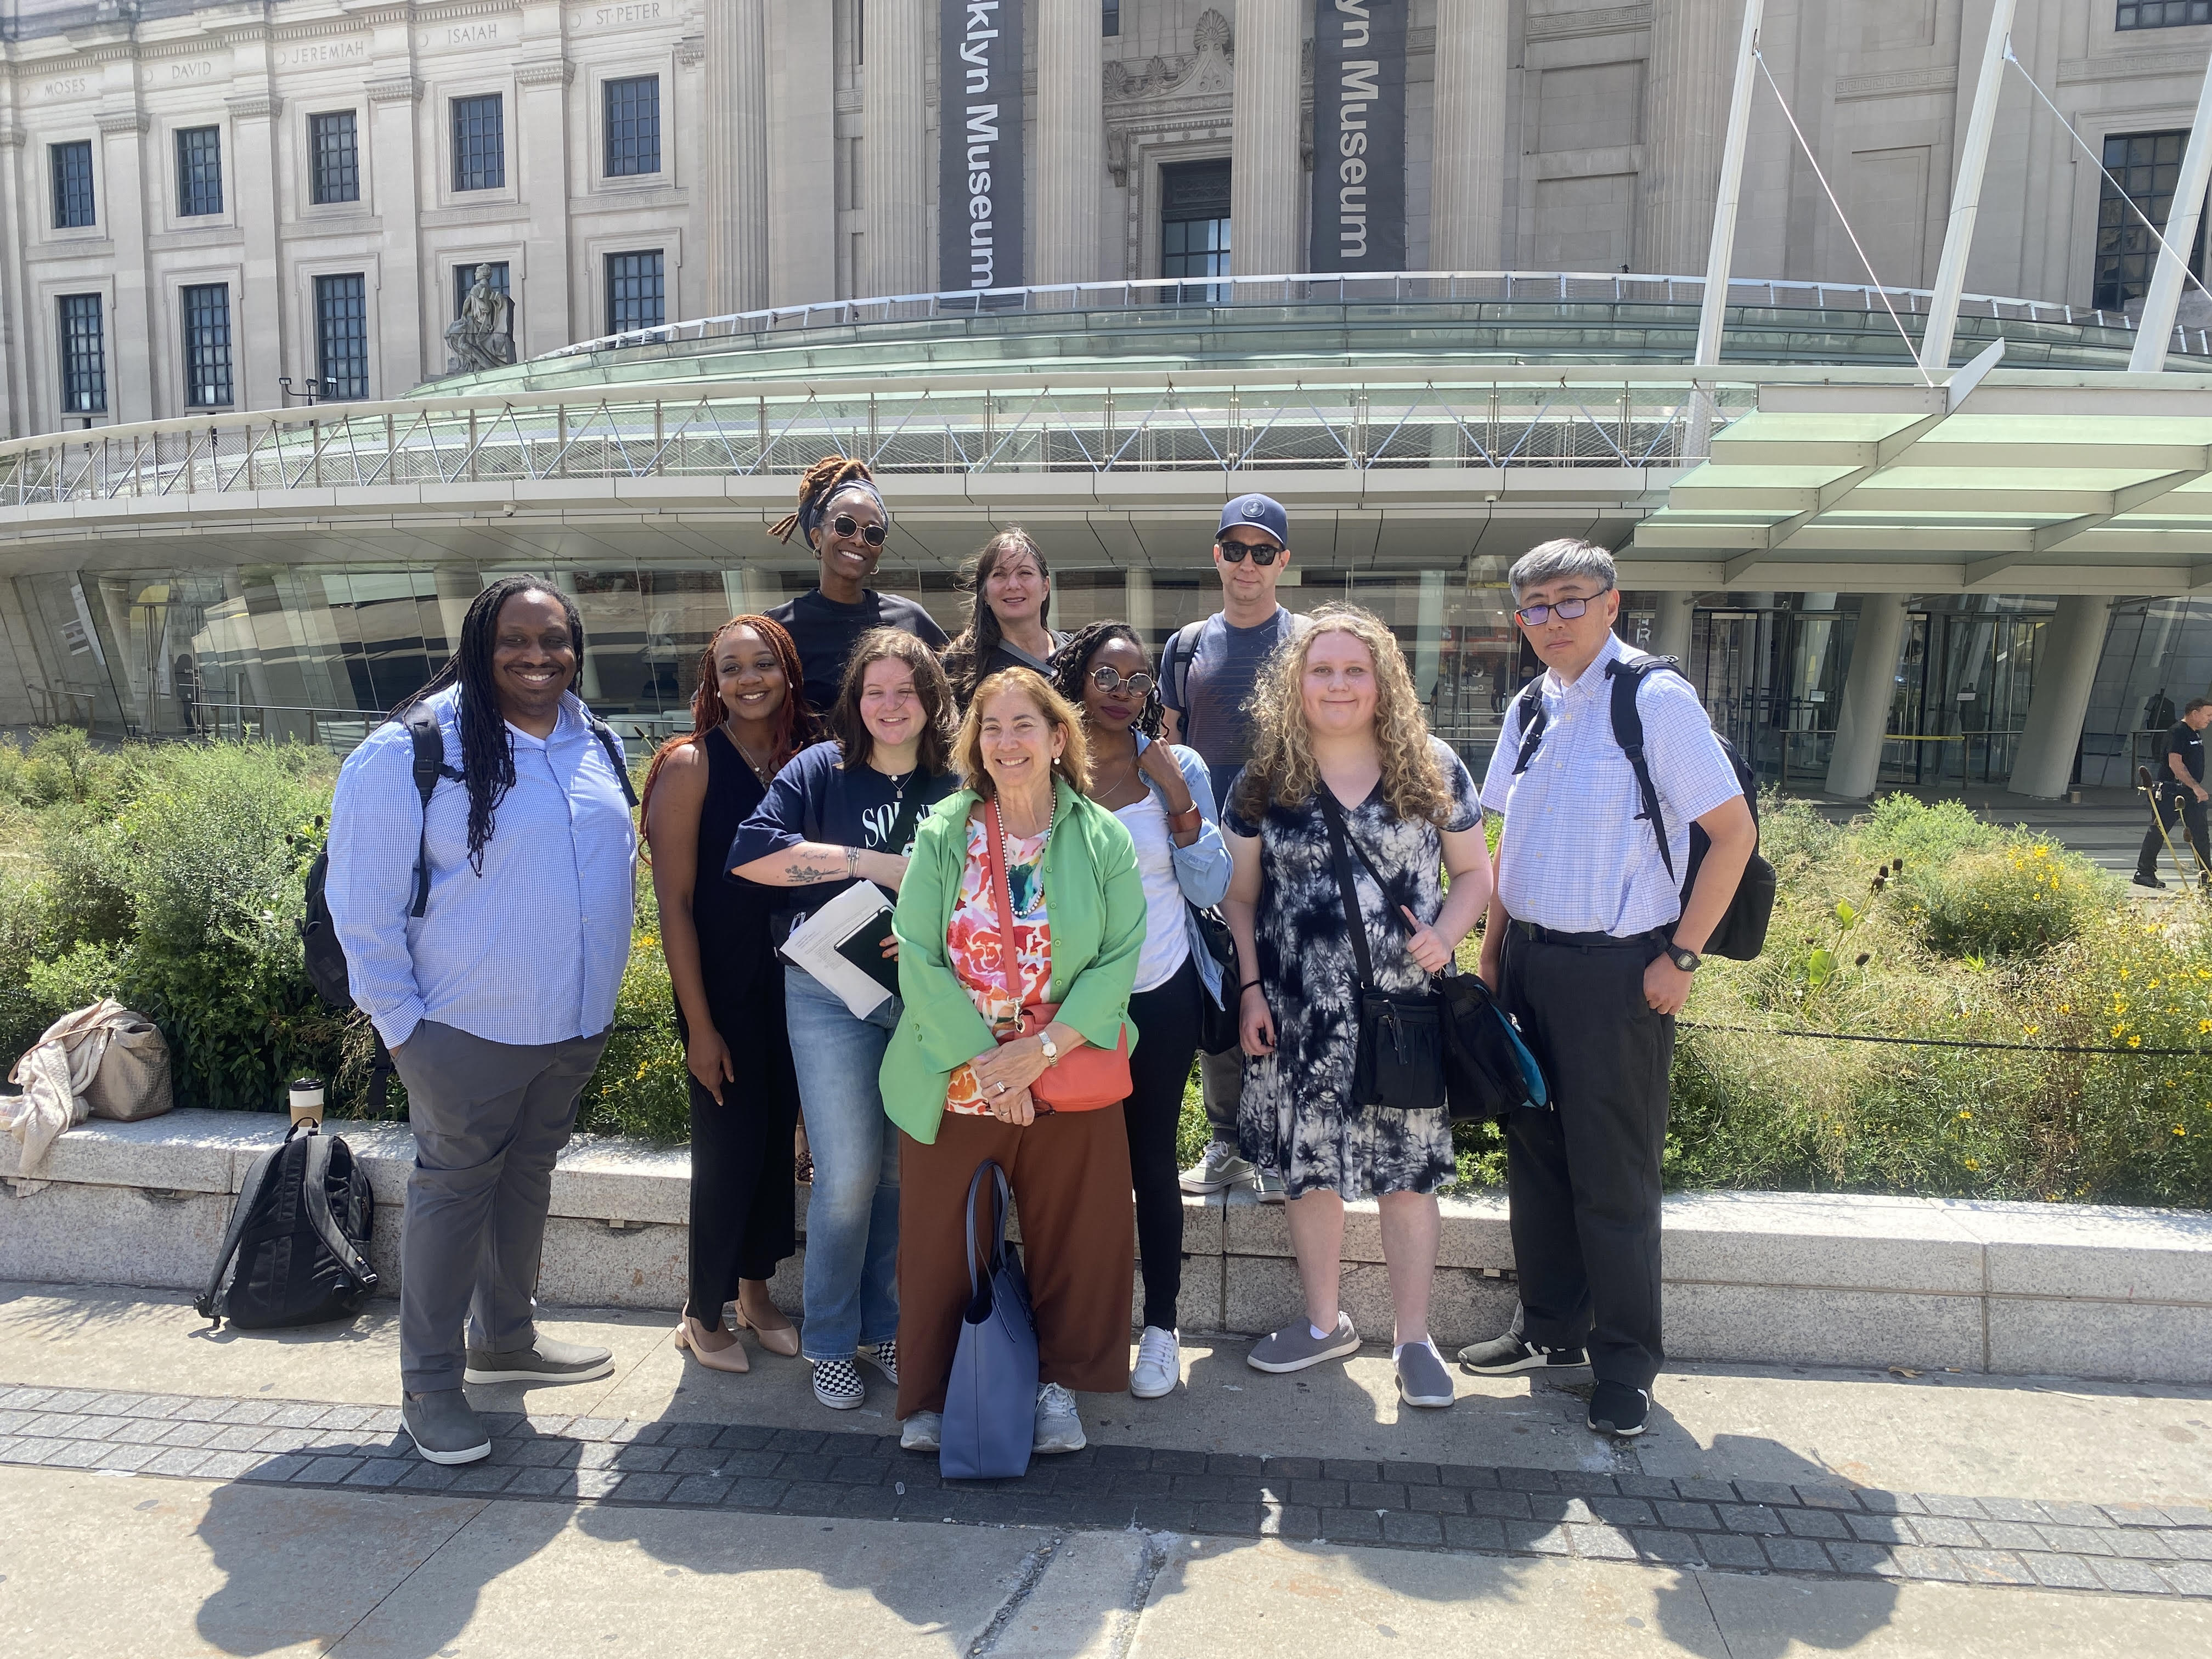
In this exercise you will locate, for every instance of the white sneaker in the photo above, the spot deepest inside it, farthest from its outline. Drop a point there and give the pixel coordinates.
(1058, 1427)
(1221, 1166)
(924, 1432)
(1160, 1364)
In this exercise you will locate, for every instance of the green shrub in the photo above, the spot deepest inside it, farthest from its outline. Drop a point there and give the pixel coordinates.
(25, 940)
(642, 1085)
(87, 869)
(2002, 901)
(1923, 833)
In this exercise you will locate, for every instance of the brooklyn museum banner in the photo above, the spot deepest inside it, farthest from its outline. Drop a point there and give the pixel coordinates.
(1360, 135)
(979, 167)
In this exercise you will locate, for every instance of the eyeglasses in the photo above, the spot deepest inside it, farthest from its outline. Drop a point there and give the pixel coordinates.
(845, 525)
(1535, 615)
(1263, 554)
(1141, 684)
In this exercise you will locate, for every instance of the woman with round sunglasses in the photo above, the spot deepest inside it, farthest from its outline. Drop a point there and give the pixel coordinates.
(1160, 793)
(1012, 585)
(843, 516)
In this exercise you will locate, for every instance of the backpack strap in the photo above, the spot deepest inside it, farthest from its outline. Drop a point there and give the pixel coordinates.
(616, 758)
(1529, 705)
(1183, 648)
(250, 1195)
(314, 1190)
(1627, 679)
(429, 745)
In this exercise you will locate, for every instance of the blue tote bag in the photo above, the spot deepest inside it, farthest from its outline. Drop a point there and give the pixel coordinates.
(990, 1404)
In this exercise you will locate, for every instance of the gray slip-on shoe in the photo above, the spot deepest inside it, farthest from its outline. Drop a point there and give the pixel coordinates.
(923, 1431)
(1422, 1378)
(443, 1428)
(544, 1361)
(1294, 1347)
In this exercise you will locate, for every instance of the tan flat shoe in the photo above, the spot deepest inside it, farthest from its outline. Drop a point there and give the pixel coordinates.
(690, 1334)
(776, 1339)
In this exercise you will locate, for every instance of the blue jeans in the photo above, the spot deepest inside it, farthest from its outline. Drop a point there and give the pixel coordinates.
(851, 1219)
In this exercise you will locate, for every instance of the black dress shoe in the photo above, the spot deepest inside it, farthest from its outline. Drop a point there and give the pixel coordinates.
(2142, 880)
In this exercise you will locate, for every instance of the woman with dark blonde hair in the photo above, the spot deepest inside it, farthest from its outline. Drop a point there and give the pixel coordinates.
(746, 721)
(842, 811)
(1340, 751)
(958, 1079)
(1012, 588)
(842, 517)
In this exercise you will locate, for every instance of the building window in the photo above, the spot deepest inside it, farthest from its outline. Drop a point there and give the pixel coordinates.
(199, 172)
(633, 126)
(72, 184)
(84, 355)
(635, 294)
(479, 143)
(1195, 224)
(2146, 166)
(1110, 17)
(464, 278)
(342, 336)
(2163, 13)
(334, 141)
(207, 345)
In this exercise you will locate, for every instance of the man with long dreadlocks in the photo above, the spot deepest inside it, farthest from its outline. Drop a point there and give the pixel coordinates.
(485, 935)
(843, 516)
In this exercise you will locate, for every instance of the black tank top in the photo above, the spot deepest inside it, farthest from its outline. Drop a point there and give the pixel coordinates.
(735, 957)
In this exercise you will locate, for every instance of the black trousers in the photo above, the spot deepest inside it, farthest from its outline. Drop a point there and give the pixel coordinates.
(1583, 1178)
(744, 1210)
(2173, 802)
(1160, 1066)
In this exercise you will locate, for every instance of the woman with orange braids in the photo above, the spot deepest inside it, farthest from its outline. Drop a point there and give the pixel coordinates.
(746, 721)
(843, 518)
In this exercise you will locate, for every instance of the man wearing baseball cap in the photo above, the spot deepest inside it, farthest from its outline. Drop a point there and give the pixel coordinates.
(1208, 672)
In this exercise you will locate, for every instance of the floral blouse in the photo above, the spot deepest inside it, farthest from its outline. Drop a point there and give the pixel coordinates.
(977, 952)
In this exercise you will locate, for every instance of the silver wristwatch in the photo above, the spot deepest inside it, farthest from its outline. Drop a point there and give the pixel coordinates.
(1051, 1050)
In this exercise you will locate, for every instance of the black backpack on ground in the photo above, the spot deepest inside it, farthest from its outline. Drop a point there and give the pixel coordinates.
(1740, 933)
(296, 1250)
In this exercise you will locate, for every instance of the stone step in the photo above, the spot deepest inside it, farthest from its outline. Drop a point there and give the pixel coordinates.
(1771, 1278)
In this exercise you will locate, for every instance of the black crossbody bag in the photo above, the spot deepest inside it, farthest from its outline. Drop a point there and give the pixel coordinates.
(1401, 1064)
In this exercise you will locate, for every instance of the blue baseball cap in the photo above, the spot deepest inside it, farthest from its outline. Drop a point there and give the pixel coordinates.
(1261, 513)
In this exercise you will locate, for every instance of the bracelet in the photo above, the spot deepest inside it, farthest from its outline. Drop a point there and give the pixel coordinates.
(852, 862)
(1179, 821)
(1248, 985)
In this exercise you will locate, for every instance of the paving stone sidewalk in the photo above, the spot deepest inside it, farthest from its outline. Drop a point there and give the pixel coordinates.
(1738, 1526)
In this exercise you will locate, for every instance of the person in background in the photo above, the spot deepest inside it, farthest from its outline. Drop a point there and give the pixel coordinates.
(1591, 946)
(493, 983)
(1208, 672)
(843, 519)
(2178, 791)
(960, 1095)
(841, 811)
(746, 721)
(1161, 793)
(1013, 602)
(1341, 726)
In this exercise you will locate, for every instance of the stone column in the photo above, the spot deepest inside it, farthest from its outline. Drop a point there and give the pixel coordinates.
(410, 345)
(1070, 162)
(802, 155)
(894, 162)
(1467, 188)
(1265, 177)
(263, 309)
(1670, 628)
(736, 173)
(1869, 684)
(2065, 668)
(1685, 106)
(545, 314)
(17, 345)
(129, 350)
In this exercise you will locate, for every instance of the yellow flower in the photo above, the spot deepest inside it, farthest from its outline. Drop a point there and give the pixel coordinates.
(2030, 1030)
(2178, 1130)
(1966, 1114)
(2134, 1043)
(1973, 1164)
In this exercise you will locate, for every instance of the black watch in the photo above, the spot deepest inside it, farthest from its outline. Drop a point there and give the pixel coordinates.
(1688, 961)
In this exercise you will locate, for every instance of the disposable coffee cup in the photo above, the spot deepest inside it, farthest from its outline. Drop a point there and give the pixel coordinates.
(306, 1100)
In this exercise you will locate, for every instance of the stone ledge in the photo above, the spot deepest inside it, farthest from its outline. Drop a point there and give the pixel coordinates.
(1806, 1278)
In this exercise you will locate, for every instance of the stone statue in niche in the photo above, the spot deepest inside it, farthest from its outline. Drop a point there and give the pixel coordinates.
(482, 335)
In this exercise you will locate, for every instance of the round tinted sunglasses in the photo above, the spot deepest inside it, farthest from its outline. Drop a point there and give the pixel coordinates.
(1233, 552)
(1141, 684)
(845, 525)
(1535, 615)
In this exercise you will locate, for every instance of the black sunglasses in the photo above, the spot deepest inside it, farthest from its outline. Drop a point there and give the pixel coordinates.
(845, 525)
(1265, 554)
(1107, 679)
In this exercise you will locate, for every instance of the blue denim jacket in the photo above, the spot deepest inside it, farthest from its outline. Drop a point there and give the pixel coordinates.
(1202, 867)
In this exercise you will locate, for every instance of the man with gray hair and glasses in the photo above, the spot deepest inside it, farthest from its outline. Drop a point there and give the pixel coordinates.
(1591, 946)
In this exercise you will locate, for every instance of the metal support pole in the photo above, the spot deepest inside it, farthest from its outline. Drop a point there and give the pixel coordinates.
(1966, 197)
(2156, 332)
(1722, 253)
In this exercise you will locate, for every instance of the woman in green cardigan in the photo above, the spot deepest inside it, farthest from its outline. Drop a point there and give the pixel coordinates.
(960, 1095)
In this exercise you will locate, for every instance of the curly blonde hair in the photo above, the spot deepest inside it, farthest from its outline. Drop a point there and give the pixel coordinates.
(1282, 768)
(1074, 761)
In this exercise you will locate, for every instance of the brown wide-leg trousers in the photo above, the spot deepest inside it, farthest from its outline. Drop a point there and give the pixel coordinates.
(1070, 1175)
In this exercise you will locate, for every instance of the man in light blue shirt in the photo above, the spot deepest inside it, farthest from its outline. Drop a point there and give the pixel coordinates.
(1590, 945)
(485, 938)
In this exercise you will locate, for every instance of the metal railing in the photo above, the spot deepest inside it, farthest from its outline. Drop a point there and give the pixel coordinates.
(1150, 423)
(1401, 288)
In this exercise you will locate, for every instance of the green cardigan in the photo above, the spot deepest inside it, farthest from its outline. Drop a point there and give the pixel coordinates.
(1094, 905)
